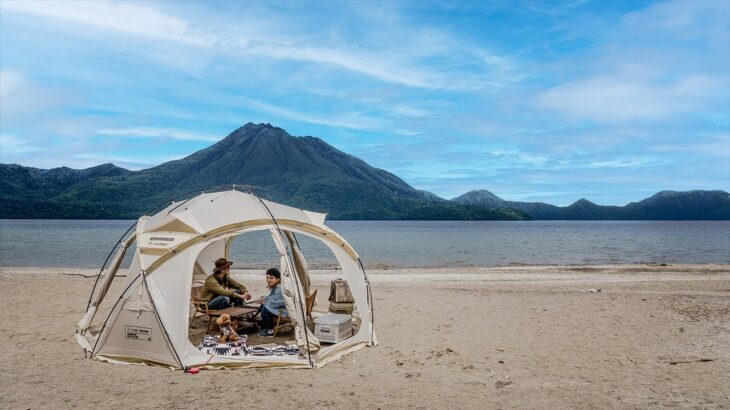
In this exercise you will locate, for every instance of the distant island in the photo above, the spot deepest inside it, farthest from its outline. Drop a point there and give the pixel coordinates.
(305, 172)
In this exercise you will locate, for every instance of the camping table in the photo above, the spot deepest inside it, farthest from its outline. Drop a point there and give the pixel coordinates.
(247, 313)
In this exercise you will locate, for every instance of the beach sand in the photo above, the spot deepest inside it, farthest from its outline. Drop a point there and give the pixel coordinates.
(514, 337)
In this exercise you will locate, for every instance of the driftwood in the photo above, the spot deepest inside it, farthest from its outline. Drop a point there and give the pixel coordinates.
(691, 361)
(87, 276)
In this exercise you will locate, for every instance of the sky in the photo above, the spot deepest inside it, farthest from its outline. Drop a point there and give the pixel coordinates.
(548, 101)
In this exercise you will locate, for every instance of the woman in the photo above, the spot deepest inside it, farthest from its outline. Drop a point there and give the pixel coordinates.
(271, 304)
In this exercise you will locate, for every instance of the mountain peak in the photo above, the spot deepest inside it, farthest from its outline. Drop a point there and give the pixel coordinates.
(666, 194)
(480, 197)
(107, 165)
(485, 193)
(582, 203)
(252, 130)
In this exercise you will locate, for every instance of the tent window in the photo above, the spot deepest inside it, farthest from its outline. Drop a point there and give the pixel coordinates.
(254, 250)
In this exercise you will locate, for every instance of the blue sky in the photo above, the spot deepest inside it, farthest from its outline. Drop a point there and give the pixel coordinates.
(535, 101)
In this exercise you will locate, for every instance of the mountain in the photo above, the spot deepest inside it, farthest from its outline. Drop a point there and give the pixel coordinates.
(665, 205)
(305, 172)
(19, 180)
(707, 205)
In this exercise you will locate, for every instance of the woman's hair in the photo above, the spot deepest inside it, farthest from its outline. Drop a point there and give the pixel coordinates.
(274, 272)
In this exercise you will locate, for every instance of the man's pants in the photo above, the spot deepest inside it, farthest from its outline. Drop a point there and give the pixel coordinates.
(267, 318)
(219, 302)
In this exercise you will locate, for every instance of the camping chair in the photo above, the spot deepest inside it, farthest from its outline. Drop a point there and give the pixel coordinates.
(200, 306)
(283, 321)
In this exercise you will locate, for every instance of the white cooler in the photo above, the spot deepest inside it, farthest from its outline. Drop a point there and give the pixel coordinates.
(333, 327)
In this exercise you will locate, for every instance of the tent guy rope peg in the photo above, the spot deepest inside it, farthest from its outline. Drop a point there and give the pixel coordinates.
(192, 370)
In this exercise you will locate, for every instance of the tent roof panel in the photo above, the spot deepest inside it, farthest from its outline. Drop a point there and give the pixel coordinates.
(211, 211)
(287, 212)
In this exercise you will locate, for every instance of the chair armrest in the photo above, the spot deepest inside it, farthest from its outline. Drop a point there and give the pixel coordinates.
(201, 306)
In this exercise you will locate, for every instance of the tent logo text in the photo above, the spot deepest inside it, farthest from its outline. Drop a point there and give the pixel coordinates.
(139, 333)
(162, 238)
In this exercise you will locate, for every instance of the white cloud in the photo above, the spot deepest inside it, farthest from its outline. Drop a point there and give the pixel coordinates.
(393, 64)
(620, 98)
(552, 8)
(10, 81)
(711, 146)
(404, 131)
(123, 17)
(624, 163)
(351, 121)
(142, 132)
(21, 98)
(408, 110)
(397, 66)
(520, 157)
(370, 65)
(10, 145)
(665, 61)
(681, 19)
(510, 159)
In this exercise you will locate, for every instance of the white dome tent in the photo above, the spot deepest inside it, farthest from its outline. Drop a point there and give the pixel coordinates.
(148, 323)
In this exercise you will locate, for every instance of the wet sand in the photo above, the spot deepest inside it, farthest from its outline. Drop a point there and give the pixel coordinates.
(631, 336)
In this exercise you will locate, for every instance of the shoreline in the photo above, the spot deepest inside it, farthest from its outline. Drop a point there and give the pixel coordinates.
(391, 267)
(532, 273)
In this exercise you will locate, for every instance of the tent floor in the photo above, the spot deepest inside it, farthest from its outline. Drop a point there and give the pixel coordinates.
(199, 330)
(285, 337)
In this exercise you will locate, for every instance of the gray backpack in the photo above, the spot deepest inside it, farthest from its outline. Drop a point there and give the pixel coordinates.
(340, 292)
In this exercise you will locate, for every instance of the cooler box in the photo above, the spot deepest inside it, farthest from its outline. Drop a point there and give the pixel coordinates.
(333, 327)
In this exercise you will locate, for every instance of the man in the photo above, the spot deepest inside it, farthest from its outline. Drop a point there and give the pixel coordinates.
(220, 290)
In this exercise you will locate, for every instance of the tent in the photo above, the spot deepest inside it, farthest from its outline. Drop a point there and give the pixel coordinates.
(148, 321)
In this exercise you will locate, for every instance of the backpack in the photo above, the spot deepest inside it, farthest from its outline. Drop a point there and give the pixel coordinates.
(340, 292)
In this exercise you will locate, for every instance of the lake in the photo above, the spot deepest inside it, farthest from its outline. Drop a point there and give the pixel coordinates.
(85, 243)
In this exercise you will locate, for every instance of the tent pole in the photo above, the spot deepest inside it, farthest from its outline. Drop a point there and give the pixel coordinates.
(370, 300)
(296, 278)
(98, 276)
(296, 252)
(187, 200)
(232, 188)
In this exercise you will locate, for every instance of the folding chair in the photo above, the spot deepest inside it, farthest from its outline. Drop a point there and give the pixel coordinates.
(283, 321)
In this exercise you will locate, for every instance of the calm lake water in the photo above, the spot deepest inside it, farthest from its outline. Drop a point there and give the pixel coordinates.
(407, 243)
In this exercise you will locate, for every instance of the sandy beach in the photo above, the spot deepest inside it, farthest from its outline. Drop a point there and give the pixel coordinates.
(627, 336)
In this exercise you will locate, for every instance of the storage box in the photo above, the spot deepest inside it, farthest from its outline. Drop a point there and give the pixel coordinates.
(342, 308)
(333, 327)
